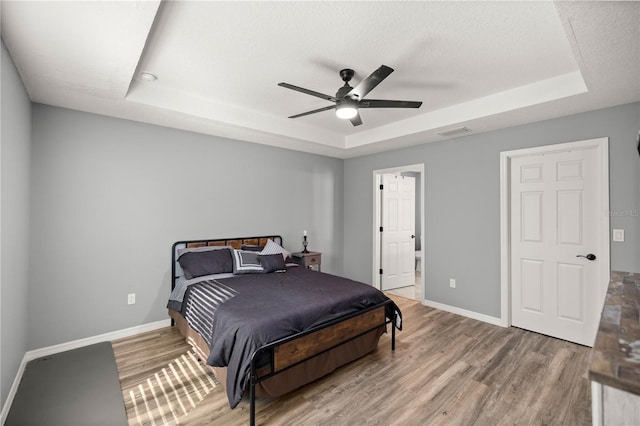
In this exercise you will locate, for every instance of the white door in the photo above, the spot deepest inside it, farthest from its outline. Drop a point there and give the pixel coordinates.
(555, 204)
(398, 231)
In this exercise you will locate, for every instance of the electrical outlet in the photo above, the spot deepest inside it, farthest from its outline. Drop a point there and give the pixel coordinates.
(618, 235)
(452, 282)
(131, 299)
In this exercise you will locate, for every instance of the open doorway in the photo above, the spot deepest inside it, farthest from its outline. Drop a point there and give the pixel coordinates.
(398, 231)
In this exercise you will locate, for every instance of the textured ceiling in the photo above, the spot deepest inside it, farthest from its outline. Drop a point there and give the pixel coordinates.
(483, 65)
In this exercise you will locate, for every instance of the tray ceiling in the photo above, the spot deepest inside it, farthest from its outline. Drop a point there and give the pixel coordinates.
(482, 65)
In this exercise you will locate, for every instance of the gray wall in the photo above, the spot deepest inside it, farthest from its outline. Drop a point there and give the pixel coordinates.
(462, 202)
(15, 146)
(110, 197)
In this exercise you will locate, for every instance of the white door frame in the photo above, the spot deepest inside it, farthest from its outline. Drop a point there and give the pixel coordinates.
(602, 145)
(375, 273)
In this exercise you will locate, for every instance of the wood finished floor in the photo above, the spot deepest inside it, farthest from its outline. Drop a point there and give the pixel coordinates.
(446, 369)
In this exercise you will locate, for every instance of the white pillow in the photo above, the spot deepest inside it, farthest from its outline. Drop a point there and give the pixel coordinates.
(275, 248)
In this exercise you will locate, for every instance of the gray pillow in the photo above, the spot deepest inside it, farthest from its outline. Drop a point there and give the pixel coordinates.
(251, 248)
(200, 263)
(272, 262)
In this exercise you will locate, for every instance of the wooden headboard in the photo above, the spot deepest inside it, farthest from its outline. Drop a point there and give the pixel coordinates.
(236, 243)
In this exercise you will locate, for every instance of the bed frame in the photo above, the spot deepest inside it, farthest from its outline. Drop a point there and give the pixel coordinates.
(294, 350)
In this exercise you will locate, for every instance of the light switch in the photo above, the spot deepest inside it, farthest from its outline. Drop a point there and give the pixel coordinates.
(618, 235)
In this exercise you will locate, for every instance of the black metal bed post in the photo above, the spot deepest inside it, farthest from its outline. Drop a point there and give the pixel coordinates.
(393, 331)
(252, 400)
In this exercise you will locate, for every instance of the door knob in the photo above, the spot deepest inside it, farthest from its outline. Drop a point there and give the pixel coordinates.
(413, 236)
(588, 257)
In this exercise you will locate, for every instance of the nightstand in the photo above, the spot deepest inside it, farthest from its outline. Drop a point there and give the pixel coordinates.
(308, 260)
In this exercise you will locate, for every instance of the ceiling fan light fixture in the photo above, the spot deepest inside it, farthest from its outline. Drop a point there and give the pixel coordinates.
(349, 99)
(346, 111)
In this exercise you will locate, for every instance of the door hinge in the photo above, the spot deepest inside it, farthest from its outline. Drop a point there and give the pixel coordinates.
(381, 229)
(381, 186)
(380, 271)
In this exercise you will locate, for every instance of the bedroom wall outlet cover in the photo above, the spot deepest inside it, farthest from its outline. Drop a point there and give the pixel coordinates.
(452, 282)
(131, 299)
(618, 235)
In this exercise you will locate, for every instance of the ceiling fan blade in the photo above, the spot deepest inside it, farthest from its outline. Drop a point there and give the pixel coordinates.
(356, 121)
(369, 83)
(314, 111)
(381, 103)
(308, 92)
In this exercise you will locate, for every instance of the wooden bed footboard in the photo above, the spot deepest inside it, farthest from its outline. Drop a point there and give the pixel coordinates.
(294, 377)
(293, 350)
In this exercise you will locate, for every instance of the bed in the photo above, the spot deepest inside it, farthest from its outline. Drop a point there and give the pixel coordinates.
(267, 326)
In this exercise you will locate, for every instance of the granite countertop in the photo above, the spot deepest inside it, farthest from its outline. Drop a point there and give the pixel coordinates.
(615, 358)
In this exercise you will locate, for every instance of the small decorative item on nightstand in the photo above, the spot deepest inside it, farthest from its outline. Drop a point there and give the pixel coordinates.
(308, 259)
(304, 242)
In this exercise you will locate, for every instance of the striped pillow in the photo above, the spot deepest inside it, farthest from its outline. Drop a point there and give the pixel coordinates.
(275, 248)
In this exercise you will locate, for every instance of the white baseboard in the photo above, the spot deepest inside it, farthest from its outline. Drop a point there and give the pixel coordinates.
(106, 337)
(50, 350)
(12, 392)
(465, 313)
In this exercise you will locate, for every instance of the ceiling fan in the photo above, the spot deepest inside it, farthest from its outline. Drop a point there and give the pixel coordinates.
(349, 99)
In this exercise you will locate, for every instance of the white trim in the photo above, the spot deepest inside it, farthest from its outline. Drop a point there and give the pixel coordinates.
(106, 337)
(375, 281)
(505, 247)
(597, 418)
(50, 350)
(417, 168)
(463, 312)
(12, 391)
(602, 145)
